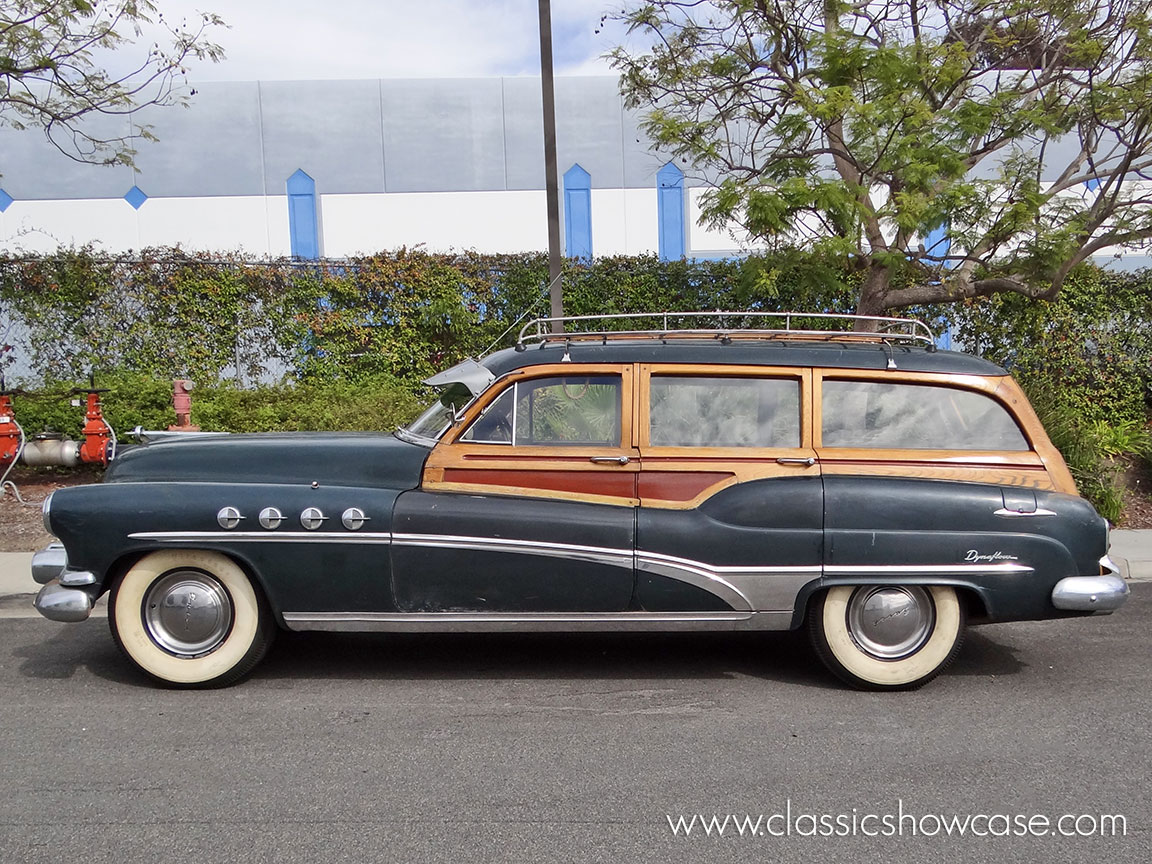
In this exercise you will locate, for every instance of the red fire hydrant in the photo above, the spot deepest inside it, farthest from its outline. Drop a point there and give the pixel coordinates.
(182, 402)
(97, 446)
(10, 435)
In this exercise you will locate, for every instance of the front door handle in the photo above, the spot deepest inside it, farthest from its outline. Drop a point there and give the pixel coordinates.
(610, 460)
(796, 460)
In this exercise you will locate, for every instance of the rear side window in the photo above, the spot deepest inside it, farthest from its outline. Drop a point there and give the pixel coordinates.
(871, 414)
(724, 412)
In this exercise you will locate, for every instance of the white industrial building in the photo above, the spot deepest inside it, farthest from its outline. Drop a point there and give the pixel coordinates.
(337, 168)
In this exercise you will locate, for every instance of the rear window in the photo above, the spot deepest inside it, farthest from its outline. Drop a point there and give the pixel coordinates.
(870, 414)
(724, 412)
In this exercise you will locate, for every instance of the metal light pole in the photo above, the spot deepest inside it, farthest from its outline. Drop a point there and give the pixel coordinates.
(551, 179)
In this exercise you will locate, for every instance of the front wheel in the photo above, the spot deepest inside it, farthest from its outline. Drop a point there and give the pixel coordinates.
(190, 618)
(887, 637)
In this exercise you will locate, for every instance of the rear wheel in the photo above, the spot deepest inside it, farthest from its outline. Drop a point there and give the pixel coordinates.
(190, 618)
(887, 637)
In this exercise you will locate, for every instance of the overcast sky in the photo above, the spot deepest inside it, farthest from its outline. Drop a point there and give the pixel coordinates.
(306, 39)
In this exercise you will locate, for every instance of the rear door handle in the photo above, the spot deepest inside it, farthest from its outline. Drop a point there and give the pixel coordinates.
(796, 460)
(610, 460)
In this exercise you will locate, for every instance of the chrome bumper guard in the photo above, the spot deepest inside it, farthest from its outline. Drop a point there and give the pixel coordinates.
(1102, 594)
(58, 603)
(63, 597)
(49, 563)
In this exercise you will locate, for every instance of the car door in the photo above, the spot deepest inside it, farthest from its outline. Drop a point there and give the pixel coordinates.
(731, 500)
(528, 504)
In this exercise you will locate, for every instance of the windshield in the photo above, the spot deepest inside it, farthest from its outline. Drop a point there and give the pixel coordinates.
(438, 416)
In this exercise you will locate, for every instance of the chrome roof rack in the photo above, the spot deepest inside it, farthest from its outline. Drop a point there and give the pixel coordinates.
(729, 326)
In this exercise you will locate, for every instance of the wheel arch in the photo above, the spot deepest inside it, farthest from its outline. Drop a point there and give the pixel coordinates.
(128, 560)
(975, 598)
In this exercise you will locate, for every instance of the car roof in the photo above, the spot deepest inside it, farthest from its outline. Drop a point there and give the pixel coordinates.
(743, 352)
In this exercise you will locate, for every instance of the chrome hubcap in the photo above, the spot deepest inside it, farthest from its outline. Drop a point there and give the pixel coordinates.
(889, 622)
(187, 613)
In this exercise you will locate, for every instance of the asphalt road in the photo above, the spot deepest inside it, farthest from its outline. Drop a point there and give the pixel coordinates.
(555, 748)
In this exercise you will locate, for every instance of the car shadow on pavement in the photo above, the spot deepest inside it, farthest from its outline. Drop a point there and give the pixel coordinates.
(781, 657)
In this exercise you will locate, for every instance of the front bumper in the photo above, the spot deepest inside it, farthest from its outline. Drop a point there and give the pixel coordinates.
(67, 595)
(1101, 594)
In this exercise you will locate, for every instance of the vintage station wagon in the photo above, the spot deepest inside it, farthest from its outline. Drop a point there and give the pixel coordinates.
(721, 471)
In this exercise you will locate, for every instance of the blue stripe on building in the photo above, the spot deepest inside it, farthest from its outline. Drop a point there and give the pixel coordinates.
(303, 226)
(670, 210)
(577, 212)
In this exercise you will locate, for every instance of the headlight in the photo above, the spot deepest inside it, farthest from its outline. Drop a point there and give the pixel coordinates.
(46, 513)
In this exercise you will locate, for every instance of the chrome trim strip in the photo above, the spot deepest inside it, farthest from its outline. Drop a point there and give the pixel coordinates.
(1040, 511)
(814, 569)
(479, 622)
(264, 536)
(741, 587)
(923, 569)
(596, 554)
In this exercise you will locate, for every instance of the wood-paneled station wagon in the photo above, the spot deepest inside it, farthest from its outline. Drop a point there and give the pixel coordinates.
(721, 471)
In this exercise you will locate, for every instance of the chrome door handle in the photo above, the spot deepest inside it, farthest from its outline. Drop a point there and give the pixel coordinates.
(610, 460)
(796, 460)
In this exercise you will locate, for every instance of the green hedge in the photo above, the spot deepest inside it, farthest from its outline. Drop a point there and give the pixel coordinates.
(370, 404)
(344, 344)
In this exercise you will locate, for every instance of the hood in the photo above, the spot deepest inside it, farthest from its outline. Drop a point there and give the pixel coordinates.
(330, 458)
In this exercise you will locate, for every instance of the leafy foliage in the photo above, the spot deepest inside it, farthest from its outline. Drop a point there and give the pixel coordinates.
(51, 77)
(855, 130)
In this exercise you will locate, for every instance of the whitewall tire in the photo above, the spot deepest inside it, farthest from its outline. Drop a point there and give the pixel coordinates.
(190, 618)
(887, 637)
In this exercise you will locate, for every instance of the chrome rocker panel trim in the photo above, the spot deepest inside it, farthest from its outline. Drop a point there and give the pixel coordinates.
(534, 622)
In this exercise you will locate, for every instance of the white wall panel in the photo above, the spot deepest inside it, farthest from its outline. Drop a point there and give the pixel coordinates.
(225, 224)
(484, 221)
(624, 221)
(642, 221)
(710, 241)
(44, 226)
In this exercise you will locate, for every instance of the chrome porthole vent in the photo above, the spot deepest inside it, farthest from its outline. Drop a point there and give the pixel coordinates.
(228, 518)
(353, 518)
(271, 518)
(312, 518)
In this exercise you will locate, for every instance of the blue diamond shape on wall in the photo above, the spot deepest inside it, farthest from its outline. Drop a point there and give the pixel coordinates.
(135, 196)
(5, 200)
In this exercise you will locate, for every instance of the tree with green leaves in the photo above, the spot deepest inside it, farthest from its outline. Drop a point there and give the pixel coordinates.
(1021, 129)
(54, 74)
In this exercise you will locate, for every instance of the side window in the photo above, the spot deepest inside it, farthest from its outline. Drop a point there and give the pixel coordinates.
(724, 412)
(552, 412)
(872, 414)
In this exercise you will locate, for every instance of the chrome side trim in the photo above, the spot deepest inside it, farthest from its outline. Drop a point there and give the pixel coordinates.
(534, 622)
(596, 554)
(923, 569)
(263, 536)
(741, 587)
(1040, 511)
(1101, 594)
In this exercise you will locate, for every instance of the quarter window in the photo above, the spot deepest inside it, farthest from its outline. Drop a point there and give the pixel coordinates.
(870, 414)
(724, 412)
(553, 412)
